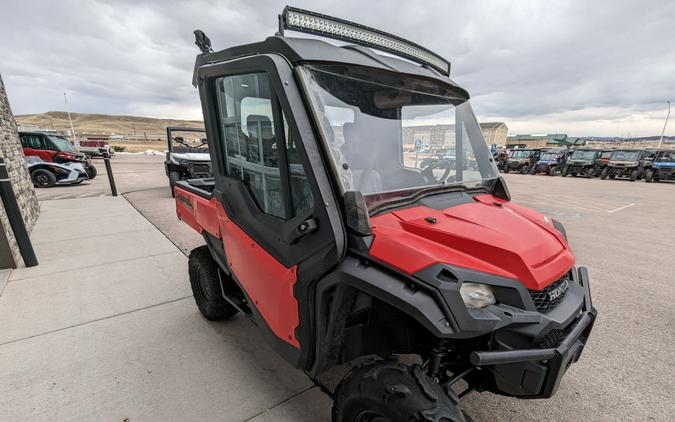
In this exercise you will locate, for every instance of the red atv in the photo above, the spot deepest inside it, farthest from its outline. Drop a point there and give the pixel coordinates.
(51, 148)
(323, 228)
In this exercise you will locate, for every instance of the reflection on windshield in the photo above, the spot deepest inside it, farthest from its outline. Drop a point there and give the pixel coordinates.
(188, 142)
(520, 153)
(625, 155)
(583, 155)
(550, 156)
(390, 133)
(62, 144)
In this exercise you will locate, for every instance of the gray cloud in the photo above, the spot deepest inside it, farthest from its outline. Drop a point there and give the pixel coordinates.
(582, 67)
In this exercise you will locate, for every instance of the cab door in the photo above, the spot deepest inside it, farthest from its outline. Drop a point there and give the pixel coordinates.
(280, 225)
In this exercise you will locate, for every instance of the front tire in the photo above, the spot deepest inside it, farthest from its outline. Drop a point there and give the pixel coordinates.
(43, 178)
(564, 172)
(174, 176)
(392, 392)
(91, 172)
(634, 175)
(524, 169)
(649, 176)
(205, 283)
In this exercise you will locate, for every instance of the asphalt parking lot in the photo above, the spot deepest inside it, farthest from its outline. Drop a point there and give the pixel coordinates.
(622, 231)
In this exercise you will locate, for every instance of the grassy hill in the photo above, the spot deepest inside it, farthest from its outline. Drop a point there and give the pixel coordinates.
(106, 124)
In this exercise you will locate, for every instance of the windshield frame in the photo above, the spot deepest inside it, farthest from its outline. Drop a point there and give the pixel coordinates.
(408, 194)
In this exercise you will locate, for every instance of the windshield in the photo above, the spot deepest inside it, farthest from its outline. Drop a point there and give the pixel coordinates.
(583, 155)
(62, 144)
(187, 141)
(549, 156)
(521, 153)
(390, 133)
(625, 155)
(667, 157)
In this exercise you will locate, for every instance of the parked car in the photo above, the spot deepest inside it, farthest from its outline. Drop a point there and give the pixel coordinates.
(623, 163)
(96, 148)
(51, 148)
(662, 166)
(550, 161)
(187, 156)
(337, 252)
(45, 174)
(583, 161)
(522, 159)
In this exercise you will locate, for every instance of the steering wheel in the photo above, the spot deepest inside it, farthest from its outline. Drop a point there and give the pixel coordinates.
(428, 173)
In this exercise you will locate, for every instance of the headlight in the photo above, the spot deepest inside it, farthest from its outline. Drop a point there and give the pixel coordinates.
(477, 296)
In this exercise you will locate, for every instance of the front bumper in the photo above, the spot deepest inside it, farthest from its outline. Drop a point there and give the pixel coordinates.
(536, 372)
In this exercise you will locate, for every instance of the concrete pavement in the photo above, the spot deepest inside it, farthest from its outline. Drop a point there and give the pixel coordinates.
(105, 329)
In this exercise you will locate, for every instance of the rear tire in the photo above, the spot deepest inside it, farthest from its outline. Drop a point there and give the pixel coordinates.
(604, 173)
(392, 392)
(205, 283)
(43, 178)
(524, 169)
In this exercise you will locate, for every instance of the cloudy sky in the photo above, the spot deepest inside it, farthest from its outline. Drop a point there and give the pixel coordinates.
(579, 67)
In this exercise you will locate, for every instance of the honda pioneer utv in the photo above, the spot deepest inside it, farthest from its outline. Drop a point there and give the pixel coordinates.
(522, 159)
(624, 163)
(321, 229)
(187, 156)
(662, 166)
(582, 162)
(550, 161)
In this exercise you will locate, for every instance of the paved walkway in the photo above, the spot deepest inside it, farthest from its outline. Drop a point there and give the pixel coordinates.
(105, 329)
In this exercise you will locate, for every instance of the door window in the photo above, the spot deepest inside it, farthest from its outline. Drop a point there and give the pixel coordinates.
(256, 148)
(31, 141)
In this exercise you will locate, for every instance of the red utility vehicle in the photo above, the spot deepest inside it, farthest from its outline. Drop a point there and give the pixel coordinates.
(323, 228)
(51, 148)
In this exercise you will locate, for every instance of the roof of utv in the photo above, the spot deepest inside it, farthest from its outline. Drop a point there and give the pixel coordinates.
(306, 50)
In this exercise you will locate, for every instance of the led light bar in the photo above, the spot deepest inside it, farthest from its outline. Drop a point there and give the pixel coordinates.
(330, 27)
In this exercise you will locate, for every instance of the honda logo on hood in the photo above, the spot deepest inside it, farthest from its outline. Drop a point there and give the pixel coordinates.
(554, 294)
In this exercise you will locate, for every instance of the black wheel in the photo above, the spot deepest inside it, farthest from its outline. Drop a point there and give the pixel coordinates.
(612, 176)
(564, 172)
(392, 392)
(551, 171)
(524, 169)
(43, 178)
(91, 172)
(506, 169)
(206, 286)
(634, 175)
(174, 176)
(604, 173)
(589, 174)
(649, 176)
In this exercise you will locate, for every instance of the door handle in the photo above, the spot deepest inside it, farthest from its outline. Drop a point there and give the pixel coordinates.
(303, 230)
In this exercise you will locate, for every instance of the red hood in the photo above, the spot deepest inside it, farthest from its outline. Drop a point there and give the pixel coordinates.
(488, 235)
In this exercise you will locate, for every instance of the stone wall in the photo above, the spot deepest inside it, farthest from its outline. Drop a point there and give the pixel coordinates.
(10, 150)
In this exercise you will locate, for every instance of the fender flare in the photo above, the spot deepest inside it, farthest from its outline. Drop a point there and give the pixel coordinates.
(356, 276)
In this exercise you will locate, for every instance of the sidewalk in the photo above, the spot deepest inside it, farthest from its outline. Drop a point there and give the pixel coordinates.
(105, 329)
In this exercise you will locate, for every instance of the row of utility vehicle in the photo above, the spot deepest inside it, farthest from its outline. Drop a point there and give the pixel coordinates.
(652, 164)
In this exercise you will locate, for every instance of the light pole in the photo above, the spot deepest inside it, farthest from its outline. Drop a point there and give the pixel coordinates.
(664, 125)
(72, 129)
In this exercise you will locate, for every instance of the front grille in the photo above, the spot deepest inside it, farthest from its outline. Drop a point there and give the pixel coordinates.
(547, 298)
(552, 339)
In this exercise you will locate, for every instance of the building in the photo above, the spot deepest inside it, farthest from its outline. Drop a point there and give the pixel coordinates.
(12, 153)
(439, 137)
(543, 140)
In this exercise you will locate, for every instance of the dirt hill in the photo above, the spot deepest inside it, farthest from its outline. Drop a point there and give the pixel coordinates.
(129, 126)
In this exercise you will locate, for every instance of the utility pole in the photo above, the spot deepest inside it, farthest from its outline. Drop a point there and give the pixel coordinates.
(72, 129)
(664, 124)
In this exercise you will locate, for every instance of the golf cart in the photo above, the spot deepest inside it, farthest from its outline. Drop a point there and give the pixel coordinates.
(187, 156)
(339, 246)
(522, 159)
(662, 167)
(623, 163)
(583, 161)
(550, 161)
(52, 148)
